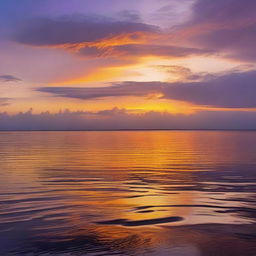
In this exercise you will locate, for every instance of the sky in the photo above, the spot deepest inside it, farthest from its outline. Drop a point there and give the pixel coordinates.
(137, 64)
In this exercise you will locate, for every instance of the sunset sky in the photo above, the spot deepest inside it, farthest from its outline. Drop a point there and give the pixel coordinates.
(104, 64)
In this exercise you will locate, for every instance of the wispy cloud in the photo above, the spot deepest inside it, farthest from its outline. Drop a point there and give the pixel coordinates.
(9, 78)
(4, 101)
(139, 50)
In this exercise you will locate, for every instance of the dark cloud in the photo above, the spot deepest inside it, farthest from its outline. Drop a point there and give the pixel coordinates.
(233, 90)
(117, 119)
(143, 50)
(124, 89)
(226, 26)
(9, 78)
(70, 30)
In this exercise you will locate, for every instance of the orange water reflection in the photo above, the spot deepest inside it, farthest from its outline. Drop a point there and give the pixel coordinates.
(128, 189)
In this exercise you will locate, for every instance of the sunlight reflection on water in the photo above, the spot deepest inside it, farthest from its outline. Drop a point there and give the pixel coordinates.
(128, 193)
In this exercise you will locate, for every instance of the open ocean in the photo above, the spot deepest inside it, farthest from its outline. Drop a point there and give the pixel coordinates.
(177, 193)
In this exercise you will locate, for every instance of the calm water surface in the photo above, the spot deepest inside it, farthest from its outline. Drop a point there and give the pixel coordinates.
(128, 193)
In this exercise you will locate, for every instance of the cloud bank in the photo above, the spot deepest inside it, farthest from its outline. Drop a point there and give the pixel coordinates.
(118, 119)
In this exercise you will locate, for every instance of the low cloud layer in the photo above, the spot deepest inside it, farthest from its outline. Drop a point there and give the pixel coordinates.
(233, 90)
(117, 119)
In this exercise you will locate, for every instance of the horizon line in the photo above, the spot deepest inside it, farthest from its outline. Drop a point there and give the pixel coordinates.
(113, 130)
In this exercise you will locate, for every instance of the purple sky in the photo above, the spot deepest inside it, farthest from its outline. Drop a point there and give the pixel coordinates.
(118, 64)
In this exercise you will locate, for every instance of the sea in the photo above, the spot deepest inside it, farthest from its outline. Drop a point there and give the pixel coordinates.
(131, 193)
